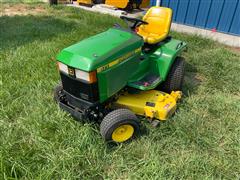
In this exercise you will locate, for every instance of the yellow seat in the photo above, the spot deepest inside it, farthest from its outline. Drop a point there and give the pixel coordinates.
(159, 21)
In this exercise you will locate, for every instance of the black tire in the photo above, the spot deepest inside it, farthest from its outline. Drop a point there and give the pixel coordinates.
(57, 92)
(117, 118)
(129, 7)
(175, 77)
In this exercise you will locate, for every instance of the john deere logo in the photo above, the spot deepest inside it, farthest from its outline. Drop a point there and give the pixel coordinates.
(71, 71)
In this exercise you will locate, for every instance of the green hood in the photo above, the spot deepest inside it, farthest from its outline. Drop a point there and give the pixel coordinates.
(100, 49)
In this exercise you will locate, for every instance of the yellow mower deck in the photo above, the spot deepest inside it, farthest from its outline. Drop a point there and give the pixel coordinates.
(151, 104)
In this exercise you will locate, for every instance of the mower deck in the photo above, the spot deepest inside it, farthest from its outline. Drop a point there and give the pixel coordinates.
(151, 104)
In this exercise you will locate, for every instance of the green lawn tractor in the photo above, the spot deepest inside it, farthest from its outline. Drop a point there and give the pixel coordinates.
(124, 73)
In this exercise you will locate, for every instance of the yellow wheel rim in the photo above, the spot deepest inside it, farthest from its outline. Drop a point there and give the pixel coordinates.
(122, 133)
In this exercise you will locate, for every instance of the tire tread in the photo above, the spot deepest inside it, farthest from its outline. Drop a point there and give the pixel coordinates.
(117, 117)
(175, 77)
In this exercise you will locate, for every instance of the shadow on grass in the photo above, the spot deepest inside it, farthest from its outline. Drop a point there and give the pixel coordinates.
(20, 30)
(192, 79)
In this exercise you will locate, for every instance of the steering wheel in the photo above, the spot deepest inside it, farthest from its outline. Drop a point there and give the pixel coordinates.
(137, 22)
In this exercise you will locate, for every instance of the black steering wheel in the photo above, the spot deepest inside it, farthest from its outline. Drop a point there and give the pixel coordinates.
(136, 22)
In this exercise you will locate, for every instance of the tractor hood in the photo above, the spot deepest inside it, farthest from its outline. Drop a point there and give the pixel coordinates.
(101, 49)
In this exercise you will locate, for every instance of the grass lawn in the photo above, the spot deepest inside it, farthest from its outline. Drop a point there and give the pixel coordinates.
(39, 141)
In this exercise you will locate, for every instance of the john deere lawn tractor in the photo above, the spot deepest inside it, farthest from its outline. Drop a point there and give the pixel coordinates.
(122, 74)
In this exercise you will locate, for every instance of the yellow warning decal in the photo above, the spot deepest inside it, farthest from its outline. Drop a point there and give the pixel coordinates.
(119, 60)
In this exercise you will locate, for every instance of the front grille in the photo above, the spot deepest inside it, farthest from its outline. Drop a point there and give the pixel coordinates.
(80, 89)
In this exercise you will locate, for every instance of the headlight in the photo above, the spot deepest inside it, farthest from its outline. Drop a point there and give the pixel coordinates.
(90, 77)
(62, 67)
(86, 76)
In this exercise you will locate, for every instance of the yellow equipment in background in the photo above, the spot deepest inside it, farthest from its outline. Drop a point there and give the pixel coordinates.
(117, 3)
(87, 2)
(152, 104)
(90, 2)
(124, 3)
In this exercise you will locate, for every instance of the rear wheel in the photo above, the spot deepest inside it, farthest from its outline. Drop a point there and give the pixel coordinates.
(119, 126)
(175, 76)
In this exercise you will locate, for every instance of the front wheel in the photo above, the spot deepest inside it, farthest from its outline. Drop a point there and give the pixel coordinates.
(119, 126)
(175, 76)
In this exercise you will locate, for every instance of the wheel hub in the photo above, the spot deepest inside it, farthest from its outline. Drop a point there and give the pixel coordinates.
(122, 133)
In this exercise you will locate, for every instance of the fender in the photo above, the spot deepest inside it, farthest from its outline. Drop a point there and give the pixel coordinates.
(166, 54)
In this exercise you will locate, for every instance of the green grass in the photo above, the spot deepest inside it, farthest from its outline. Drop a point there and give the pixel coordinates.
(20, 1)
(39, 141)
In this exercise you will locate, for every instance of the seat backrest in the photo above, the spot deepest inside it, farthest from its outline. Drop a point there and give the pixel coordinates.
(159, 20)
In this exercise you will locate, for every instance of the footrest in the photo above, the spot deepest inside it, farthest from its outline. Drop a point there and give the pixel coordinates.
(149, 81)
